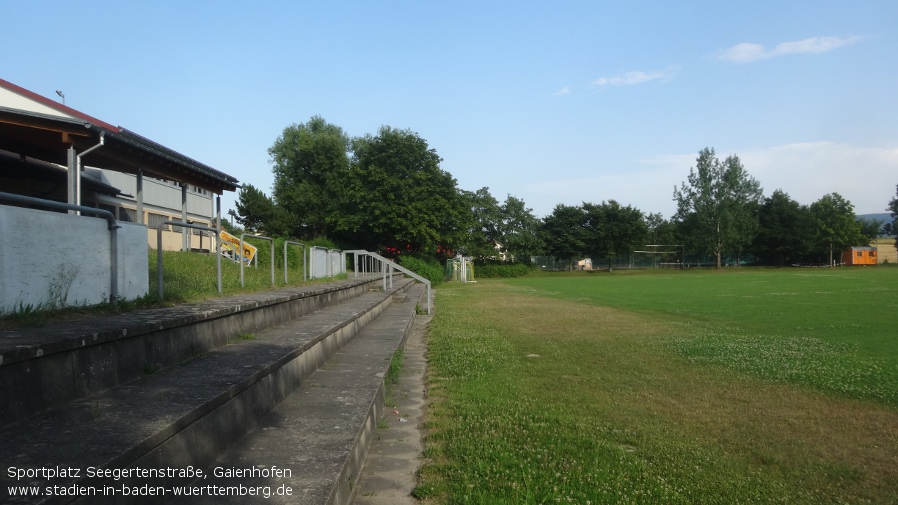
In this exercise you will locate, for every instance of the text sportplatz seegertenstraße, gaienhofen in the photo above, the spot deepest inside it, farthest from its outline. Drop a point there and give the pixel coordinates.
(197, 475)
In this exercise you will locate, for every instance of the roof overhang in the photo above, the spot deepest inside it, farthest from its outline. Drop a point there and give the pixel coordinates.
(48, 137)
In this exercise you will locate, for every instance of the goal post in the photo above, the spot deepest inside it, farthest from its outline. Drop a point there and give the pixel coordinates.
(658, 251)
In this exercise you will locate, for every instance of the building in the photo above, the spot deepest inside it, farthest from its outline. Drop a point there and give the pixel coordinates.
(58, 168)
(138, 180)
(859, 256)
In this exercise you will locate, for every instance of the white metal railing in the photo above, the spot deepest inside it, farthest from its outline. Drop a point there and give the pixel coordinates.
(378, 263)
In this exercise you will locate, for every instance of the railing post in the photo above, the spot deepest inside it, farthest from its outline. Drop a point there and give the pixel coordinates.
(159, 251)
(242, 235)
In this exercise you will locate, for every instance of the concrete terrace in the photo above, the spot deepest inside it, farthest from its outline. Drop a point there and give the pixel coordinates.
(280, 390)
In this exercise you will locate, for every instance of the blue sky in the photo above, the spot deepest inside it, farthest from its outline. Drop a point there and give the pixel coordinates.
(552, 102)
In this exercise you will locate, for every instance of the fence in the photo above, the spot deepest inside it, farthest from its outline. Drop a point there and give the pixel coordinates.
(324, 262)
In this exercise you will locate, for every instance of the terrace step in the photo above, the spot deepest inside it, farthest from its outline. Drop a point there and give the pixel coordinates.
(321, 433)
(187, 415)
(49, 366)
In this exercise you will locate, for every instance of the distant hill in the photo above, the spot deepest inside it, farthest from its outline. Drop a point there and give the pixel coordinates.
(885, 217)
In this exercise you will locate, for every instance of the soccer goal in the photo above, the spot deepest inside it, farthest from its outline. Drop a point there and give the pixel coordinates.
(664, 255)
(460, 269)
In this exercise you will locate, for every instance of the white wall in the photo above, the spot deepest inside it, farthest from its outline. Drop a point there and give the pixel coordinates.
(53, 259)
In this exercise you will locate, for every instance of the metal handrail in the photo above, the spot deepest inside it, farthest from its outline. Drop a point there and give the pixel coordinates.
(389, 265)
(304, 262)
(242, 235)
(105, 214)
(159, 250)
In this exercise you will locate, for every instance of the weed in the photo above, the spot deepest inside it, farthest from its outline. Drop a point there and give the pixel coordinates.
(241, 336)
(395, 367)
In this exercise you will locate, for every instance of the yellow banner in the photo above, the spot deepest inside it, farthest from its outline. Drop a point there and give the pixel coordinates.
(230, 244)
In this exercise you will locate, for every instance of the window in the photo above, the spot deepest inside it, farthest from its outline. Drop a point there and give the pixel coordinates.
(155, 219)
(127, 215)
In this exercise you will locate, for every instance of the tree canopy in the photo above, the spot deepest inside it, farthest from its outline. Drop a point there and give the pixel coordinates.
(397, 195)
(718, 204)
(310, 165)
(388, 192)
(837, 226)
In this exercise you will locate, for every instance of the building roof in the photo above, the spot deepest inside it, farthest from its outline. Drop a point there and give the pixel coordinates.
(15, 166)
(38, 127)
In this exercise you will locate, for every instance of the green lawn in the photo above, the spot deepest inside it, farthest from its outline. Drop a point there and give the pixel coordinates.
(744, 386)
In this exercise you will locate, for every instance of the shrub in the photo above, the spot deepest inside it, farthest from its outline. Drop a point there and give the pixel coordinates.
(493, 270)
(429, 268)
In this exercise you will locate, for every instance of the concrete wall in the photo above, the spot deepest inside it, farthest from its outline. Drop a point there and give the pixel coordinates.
(50, 259)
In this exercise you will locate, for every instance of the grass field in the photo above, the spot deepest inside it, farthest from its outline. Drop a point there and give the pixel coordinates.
(744, 386)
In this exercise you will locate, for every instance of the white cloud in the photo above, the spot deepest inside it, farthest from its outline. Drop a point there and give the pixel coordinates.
(563, 91)
(866, 176)
(747, 52)
(635, 78)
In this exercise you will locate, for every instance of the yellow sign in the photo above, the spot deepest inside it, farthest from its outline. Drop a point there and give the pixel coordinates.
(230, 244)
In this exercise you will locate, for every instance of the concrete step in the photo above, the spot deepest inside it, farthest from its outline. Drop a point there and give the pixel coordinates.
(311, 448)
(178, 419)
(44, 367)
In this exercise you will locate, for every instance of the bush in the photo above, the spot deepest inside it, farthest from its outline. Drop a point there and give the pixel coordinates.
(429, 268)
(501, 270)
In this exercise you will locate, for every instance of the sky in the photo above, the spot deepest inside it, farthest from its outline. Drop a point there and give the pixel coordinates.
(551, 102)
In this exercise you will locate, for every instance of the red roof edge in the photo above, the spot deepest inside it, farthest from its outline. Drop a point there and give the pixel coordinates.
(53, 104)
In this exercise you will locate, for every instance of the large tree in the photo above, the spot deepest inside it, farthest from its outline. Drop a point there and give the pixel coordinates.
(564, 233)
(484, 218)
(397, 195)
(311, 167)
(614, 231)
(718, 204)
(836, 224)
(785, 231)
(519, 230)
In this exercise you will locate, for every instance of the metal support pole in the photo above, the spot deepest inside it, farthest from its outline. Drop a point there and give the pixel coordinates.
(184, 238)
(140, 196)
(218, 238)
(73, 171)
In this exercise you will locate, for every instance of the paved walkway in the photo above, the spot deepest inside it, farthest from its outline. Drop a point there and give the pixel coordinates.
(390, 471)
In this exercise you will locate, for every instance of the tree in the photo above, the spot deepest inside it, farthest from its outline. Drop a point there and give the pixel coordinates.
(483, 225)
(836, 225)
(662, 232)
(870, 229)
(893, 209)
(519, 230)
(718, 205)
(785, 230)
(397, 196)
(257, 213)
(564, 232)
(614, 230)
(311, 166)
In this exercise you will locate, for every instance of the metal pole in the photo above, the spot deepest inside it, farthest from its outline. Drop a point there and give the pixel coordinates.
(218, 238)
(185, 246)
(240, 259)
